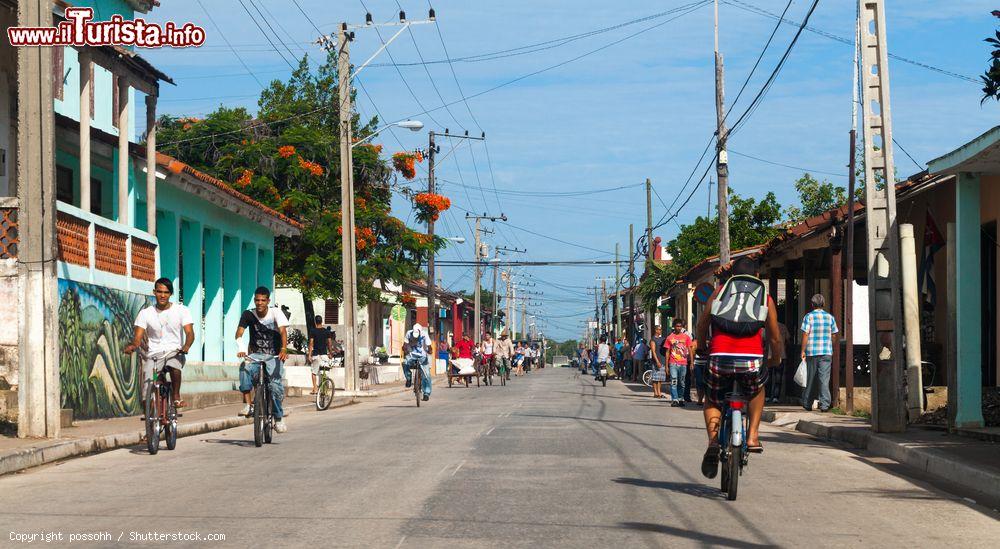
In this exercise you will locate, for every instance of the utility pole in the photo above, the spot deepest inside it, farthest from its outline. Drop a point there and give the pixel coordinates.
(479, 266)
(617, 309)
(497, 252)
(630, 326)
(648, 333)
(347, 239)
(884, 273)
(849, 268)
(722, 159)
(432, 314)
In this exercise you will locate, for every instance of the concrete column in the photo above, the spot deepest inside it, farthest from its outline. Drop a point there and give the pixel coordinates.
(85, 117)
(249, 273)
(837, 310)
(168, 248)
(232, 259)
(151, 164)
(265, 268)
(911, 321)
(968, 305)
(191, 248)
(123, 156)
(214, 307)
(456, 321)
(37, 320)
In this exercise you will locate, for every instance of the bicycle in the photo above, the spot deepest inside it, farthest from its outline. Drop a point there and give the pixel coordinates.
(263, 401)
(733, 441)
(160, 413)
(488, 371)
(418, 374)
(326, 388)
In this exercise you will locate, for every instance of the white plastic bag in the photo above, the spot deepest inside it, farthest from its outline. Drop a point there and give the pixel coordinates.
(801, 373)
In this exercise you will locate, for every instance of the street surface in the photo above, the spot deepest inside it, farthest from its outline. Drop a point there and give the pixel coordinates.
(551, 460)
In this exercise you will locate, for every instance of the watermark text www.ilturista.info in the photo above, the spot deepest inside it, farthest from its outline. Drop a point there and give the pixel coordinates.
(79, 29)
(105, 537)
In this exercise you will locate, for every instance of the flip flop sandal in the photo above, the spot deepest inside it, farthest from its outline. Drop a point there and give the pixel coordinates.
(755, 448)
(180, 404)
(710, 463)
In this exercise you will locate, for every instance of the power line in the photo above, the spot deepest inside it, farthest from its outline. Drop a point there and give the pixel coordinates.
(760, 11)
(267, 21)
(226, 40)
(764, 160)
(696, 5)
(761, 56)
(268, 38)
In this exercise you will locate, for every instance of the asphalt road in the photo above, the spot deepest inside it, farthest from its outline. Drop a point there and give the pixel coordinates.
(551, 460)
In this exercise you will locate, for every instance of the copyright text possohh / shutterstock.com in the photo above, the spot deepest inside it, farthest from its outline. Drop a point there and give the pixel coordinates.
(79, 29)
(114, 537)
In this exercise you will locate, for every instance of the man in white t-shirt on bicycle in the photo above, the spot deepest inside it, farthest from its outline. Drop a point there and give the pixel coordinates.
(416, 346)
(163, 328)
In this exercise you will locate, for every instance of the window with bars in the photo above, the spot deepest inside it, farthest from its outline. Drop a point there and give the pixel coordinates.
(331, 312)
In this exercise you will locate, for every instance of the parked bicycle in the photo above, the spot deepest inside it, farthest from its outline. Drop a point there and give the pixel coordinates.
(325, 388)
(735, 423)
(160, 414)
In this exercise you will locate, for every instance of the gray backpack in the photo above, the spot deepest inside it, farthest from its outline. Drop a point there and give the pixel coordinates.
(740, 309)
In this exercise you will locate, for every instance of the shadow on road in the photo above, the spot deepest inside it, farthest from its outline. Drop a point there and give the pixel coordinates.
(689, 488)
(244, 443)
(687, 534)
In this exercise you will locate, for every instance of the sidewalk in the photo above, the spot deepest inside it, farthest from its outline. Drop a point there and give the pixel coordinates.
(99, 435)
(970, 463)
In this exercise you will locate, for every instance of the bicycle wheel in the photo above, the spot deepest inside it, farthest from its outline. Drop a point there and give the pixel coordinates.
(416, 385)
(647, 378)
(171, 427)
(268, 417)
(732, 471)
(324, 396)
(503, 377)
(258, 417)
(152, 419)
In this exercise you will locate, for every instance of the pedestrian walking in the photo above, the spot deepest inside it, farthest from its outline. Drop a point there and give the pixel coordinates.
(640, 354)
(776, 377)
(660, 361)
(679, 351)
(819, 333)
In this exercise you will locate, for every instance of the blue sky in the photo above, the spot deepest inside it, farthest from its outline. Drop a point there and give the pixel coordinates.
(641, 108)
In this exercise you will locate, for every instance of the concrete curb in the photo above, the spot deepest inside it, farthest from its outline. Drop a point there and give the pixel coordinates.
(928, 461)
(50, 452)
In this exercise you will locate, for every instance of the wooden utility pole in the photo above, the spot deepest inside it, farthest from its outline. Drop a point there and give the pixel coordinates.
(721, 159)
(849, 236)
(651, 252)
(884, 273)
(347, 239)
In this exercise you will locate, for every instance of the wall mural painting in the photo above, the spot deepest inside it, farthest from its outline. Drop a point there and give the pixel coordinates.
(95, 323)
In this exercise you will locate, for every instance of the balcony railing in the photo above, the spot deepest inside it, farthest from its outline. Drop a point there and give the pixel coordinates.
(90, 248)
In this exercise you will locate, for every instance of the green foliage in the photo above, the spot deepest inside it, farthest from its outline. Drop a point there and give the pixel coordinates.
(815, 197)
(751, 223)
(293, 166)
(991, 78)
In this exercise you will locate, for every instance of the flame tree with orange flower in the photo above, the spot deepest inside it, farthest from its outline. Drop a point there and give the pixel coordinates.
(293, 166)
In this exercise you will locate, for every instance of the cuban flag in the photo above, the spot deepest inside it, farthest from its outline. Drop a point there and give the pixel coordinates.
(933, 241)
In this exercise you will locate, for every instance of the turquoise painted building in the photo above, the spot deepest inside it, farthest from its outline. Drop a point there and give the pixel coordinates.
(127, 215)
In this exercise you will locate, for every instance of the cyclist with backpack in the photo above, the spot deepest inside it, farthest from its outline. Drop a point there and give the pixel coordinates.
(416, 347)
(741, 315)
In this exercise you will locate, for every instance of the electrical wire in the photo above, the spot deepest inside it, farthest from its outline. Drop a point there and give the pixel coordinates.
(268, 38)
(226, 40)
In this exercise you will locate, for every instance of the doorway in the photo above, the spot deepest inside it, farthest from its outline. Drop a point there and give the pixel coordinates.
(988, 258)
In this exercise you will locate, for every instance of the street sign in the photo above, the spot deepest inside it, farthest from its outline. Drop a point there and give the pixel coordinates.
(703, 292)
(398, 313)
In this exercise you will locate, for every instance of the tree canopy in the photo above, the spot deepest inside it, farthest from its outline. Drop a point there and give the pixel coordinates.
(991, 78)
(288, 157)
(815, 197)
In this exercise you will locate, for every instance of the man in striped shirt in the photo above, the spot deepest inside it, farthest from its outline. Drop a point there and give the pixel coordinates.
(819, 334)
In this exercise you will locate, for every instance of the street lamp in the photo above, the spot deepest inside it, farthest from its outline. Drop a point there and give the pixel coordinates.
(412, 125)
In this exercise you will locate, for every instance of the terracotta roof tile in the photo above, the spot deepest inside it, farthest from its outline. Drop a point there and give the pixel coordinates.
(173, 165)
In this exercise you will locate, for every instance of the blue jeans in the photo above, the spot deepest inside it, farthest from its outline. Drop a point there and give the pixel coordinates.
(425, 372)
(249, 371)
(678, 375)
(817, 366)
